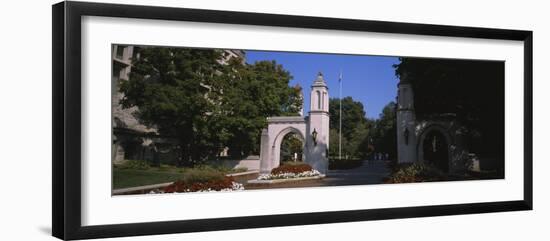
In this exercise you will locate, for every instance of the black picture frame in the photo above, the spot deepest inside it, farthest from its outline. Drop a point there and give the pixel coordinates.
(66, 153)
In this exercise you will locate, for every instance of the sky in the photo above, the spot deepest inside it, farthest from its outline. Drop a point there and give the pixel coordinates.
(368, 79)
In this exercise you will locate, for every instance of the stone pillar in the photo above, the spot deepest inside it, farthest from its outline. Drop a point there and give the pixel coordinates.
(265, 154)
(318, 122)
(406, 123)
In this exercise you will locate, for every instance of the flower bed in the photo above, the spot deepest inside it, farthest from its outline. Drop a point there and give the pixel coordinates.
(224, 185)
(289, 168)
(290, 171)
(289, 175)
(417, 172)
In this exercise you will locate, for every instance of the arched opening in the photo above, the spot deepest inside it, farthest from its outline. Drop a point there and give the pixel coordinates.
(323, 101)
(278, 141)
(292, 148)
(436, 150)
(318, 100)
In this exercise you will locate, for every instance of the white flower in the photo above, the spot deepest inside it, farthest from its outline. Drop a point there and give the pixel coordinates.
(237, 186)
(288, 175)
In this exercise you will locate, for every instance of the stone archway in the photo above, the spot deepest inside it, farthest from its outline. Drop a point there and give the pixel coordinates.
(276, 148)
(434, 146)
(435, 150)
(272, 137)
(312, 129)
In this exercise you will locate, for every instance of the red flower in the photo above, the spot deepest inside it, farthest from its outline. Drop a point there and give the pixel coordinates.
(180, 186)
(291, 169)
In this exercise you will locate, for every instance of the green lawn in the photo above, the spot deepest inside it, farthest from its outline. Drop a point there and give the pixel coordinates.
(123, 178)
(138, 173)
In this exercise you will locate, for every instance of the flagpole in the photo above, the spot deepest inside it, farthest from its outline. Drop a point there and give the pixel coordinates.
(340, 134)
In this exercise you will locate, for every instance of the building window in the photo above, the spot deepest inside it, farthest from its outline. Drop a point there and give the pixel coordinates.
(135, 53)
(119, 52)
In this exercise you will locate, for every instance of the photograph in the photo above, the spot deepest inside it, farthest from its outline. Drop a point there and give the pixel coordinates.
(221, 120)
(275, 120)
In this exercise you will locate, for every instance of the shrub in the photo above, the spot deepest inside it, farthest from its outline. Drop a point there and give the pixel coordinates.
(135, 164)
(417, 172)
(297, 168)
(214, 167)
(167, 168)
(238, 169)
(196, 175)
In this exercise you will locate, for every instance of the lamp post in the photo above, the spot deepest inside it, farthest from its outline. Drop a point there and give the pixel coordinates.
(314, 135)
(340, 115)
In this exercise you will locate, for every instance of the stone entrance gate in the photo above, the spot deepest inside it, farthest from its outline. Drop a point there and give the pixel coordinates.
(313, 130)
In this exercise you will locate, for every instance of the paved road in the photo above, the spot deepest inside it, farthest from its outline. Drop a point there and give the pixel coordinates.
(371, 172)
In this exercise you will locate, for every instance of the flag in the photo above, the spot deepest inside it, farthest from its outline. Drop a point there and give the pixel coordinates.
(340, 77)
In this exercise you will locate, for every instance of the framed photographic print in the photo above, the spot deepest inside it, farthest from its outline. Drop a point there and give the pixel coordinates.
(170, 120)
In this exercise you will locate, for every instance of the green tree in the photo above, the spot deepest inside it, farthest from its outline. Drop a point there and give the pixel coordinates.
(205, 103)
(334, 143)
(353, 114)
(256, 92)
(170, 86)
(384, 135)
(355, 128)
(358, 142)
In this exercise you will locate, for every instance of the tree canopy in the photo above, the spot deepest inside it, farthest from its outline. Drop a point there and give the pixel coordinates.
(384, 135)
(355, 128)
(255, 92)
(472, 91)
(207, 103)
